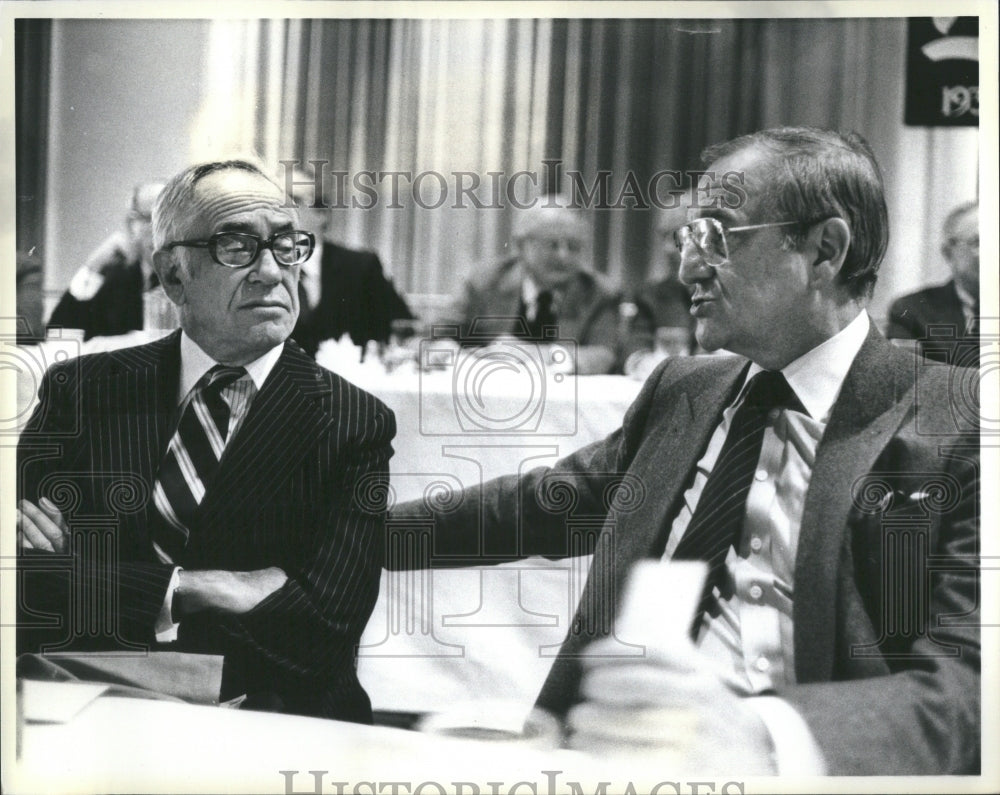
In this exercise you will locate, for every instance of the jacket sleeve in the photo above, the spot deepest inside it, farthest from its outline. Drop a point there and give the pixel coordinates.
(301, 640)
(95, 595)
(521, 515)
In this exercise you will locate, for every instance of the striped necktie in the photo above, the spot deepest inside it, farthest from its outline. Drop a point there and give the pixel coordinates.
(718, 517)
(192, 459)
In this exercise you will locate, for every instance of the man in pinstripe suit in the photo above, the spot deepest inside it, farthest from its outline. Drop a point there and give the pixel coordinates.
(246, 522)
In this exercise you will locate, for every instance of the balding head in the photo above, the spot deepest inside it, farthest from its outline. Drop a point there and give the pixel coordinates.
(553, 242)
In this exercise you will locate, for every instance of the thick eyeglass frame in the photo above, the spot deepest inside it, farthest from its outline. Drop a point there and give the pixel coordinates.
(212, 245)
(684, 233)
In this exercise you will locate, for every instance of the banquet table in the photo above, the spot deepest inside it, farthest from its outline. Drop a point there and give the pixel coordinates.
(489, 631)
(462, 634)
(74, 737)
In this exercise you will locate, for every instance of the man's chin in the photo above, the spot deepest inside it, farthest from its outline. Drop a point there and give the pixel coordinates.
(265, 335)
(708, 340)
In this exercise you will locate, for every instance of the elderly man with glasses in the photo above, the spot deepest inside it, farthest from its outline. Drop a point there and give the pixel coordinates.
(240, 486)
(944, 318)
(105, 296)
(828, 480)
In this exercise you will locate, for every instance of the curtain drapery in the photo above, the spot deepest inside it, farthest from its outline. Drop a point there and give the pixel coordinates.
(415, 110)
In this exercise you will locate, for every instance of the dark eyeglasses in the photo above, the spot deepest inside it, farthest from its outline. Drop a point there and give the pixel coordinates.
(967, 242)
(241, 249)
(709, 237)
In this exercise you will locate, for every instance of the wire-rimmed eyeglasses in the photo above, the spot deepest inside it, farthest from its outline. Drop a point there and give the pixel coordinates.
(709, 236)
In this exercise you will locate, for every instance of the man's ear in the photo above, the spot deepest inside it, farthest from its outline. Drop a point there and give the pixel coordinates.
(168, 270)
(831, 238)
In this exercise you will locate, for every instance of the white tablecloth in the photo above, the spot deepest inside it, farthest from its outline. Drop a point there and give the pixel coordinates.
(103, 743)
(437, 638)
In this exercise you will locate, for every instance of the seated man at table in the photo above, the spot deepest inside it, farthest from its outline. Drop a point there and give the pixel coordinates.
(341, 290)
(546, 291)
(838, 629)
(945, 318)
(215, 491)
(105, 296)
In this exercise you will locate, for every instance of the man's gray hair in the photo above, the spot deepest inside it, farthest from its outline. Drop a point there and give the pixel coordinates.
(547, 212)
(819, 174)
(954, 216)
(178, 193)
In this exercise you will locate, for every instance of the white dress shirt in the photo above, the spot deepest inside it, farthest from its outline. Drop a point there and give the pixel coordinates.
(750, 636)
(970, 304)
(238, 396)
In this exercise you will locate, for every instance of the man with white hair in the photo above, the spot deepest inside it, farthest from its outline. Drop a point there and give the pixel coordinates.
(546, 291)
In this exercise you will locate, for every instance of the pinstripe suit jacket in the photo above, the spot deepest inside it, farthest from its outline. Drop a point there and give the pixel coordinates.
(298, 488)
(885, 607)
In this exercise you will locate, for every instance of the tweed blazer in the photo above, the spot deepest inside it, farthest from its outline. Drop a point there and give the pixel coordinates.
(294, 490)
(886, 645)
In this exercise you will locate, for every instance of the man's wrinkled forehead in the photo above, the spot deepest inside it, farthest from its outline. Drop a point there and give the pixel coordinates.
(224, 195)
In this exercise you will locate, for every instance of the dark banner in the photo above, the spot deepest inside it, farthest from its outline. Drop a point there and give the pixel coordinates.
(942, 72)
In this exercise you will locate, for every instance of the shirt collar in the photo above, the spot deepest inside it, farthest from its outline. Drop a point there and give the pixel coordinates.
(195, 363)
(817, 375)
(966, 298)
(529, 290)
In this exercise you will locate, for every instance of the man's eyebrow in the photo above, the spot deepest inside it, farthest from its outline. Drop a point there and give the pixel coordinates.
(285, 225)
(236, 226)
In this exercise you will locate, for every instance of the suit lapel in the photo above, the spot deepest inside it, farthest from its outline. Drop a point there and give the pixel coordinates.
(694, 405)
(135, 402)
(285, 419)
(867, 413)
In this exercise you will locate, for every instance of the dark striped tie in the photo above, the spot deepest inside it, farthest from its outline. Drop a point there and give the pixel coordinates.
(718, 517)
(192, 459)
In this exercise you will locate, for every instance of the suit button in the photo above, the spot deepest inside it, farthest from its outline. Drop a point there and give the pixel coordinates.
(756, 543)
(756, 592)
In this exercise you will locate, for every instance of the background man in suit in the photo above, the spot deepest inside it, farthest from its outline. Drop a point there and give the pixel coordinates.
(547, 283)
(954, 306)
(342, 290)
(270, 556)
(803, 471)
(105, 296)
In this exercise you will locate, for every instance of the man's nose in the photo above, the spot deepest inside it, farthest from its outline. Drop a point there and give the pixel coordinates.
(266, 269)
(564, 250)
(693, 267)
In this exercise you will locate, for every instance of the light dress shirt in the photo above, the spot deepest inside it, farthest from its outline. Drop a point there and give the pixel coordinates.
(970, 306)
(238, 396)
(529, 295)
(749, 634)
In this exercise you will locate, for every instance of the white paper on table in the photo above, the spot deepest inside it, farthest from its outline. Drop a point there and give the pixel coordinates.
(57, 702)
(659, 602)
